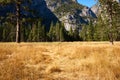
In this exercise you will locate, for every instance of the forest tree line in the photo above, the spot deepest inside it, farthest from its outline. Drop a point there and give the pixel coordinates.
(37, 32)
(105, 27)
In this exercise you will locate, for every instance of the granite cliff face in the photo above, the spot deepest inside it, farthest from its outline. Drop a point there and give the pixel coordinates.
(96, 9)
(70, 12)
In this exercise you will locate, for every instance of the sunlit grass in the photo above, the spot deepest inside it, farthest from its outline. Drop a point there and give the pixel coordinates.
(60, 61)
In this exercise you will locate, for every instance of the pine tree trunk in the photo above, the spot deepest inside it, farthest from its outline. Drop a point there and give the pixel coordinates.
(110, 22)
(18, 23)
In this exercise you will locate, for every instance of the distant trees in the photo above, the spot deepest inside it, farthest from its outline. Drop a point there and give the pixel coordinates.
(57, 32)
(51, 33)
(94, 31)
(91, 31)
(100, 31)
(88, 32)
(7, 32)
(33, 32)
(62, 34)
(36, 32)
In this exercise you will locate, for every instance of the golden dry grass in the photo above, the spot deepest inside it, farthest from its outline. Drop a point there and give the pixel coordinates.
(60, 61)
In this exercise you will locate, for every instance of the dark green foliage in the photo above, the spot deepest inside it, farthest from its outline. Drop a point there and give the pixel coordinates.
(33, 36)
(51, 34)
(90, 32)
(72, 35)
(7, 32)
(56, 32)
(100, 32)
(70, 32)
(111, 14)
(37, 33)
(62, 34)
(83, 33)
(1, 32)
(94, 32)
(87, 32)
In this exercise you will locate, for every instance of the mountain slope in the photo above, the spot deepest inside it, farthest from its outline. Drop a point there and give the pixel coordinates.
(69, 12)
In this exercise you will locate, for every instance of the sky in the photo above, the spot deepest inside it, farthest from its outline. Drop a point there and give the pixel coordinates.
(88, 3)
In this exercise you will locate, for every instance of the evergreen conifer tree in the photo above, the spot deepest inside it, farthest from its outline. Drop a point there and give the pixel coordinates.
(18, 6)
(111, 11)
(62, 35)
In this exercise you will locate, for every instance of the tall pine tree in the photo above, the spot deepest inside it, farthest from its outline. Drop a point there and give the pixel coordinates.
(18, 6)
(111, 11)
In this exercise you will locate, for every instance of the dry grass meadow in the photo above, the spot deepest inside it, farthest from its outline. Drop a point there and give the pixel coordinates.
(60, 61)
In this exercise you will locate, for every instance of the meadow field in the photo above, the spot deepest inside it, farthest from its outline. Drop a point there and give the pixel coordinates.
(60, 61)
